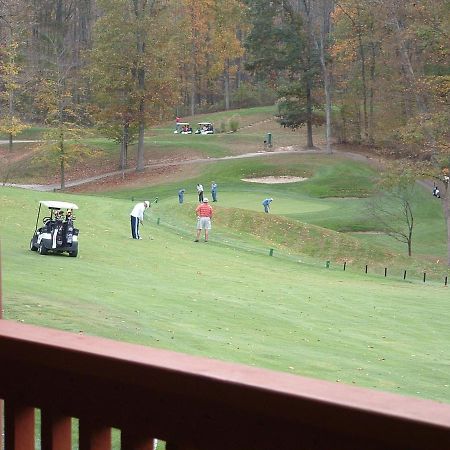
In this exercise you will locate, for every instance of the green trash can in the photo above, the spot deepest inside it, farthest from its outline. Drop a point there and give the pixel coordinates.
(327, 264)
(269, 140)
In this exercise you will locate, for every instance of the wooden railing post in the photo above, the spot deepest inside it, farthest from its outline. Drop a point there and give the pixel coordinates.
(192, 403)
(94, 436)
(136, 440)
(56, 431)
(1, 317)
(19, 426)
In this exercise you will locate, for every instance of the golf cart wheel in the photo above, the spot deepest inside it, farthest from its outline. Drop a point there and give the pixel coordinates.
(74, 254)
(33, 247)
(42, 249)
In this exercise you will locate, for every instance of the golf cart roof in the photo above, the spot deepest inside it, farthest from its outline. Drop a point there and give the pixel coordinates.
(58, 205)
(205, 123)
(183, 123)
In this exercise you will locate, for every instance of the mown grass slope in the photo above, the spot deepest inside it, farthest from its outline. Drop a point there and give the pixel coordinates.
(226, 299)
(311, 219)
(229, 299)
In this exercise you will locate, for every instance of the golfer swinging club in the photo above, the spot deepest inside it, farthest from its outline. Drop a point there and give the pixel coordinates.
(137, 217)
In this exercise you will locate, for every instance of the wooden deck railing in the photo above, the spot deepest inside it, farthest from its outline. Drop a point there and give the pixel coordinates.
(191, 402)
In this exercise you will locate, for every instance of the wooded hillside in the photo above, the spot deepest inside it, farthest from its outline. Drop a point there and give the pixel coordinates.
(375, 72)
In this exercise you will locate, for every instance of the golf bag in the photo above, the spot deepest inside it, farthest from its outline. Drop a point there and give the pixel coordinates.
(69, 231)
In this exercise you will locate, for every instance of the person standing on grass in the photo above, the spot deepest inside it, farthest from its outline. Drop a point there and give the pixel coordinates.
(266, 203)
(181, 196)
(214, 191)
(200, 192)
(137, 217)
(204, 213)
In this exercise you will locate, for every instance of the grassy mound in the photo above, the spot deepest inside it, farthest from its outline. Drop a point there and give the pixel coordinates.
(296, 237)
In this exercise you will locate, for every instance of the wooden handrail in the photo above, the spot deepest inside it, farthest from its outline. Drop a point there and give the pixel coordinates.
(199, 403)
(1, 317)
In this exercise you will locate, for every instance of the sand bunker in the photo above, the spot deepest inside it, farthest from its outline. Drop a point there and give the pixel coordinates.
(275, 180)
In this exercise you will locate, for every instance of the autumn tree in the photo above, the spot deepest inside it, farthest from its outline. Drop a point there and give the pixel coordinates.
(12, 26)
(392, 207)
(62, 144)
(133, 65)
(414, 46)
(391, 66)
(322, 32)
(56, 91)
(198, 16)
(281, 50)
(12, 82)
(355, 49)
(111, 73)
(226, 46)
(316, 16)
(10, 123)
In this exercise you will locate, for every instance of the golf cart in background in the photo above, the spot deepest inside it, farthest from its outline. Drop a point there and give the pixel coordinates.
(205, 128)
(58, 233)
(183, 128)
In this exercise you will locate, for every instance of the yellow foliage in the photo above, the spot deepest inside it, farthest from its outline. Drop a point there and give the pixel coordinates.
(12, 125)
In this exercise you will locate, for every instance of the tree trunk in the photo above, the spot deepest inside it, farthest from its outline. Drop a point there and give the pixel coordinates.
(358, 123)
(11, 116)
(124, 146)
(357, 30)
(328, 106)
(322, 44)
(309, 109)
(193, 97)
(327, 88)
(226, 85)
(309, 103)
(140, 152)
(140, 42)
(409, 70)
(364, 86)
(410, 222)
(343, 137)
(371, 93)
(62, 162)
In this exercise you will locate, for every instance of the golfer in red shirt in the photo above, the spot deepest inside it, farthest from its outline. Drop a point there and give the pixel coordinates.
(204, 214)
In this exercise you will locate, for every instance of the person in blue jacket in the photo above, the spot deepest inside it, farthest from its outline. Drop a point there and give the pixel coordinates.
(181, 195)
(214, 191)
(266, 203)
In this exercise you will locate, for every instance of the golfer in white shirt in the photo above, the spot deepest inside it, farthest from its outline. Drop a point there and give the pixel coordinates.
(137, 217)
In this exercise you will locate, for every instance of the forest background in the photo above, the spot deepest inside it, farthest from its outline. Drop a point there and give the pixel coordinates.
(375, 72)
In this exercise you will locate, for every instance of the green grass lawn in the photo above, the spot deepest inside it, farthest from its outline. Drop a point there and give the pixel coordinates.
(307, 203)
(160, 143)
(33, 132)
(227, 299)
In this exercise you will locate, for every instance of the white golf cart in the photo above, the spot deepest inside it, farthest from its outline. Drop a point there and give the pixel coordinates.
(183, 128)
(205, 128)
(58, 233)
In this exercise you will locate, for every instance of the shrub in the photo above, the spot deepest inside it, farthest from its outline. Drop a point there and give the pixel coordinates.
(249, 95)
(234, 124)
